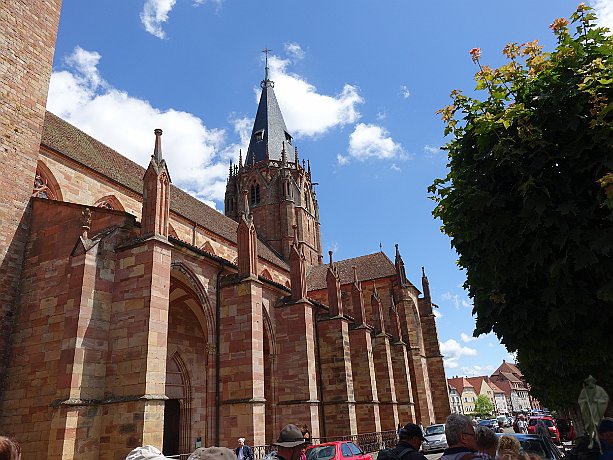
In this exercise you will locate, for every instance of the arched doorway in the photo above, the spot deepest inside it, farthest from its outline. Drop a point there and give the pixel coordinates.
(187, 408)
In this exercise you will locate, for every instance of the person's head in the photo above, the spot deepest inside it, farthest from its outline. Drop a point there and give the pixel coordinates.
(212, 453)
(412, 434)
(605, 430)
(511, 455)
(460, 432)
(9, 449)
(486, 440)
(508, 443)
(145, 453)
(290, 443)
(241, 441)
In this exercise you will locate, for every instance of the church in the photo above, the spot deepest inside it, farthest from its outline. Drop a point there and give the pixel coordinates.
(132, 313)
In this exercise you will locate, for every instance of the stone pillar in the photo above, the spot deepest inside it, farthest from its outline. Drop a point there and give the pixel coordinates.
(241, 372)
(402, 382)
(27, 42)
(338, 412)
(382, 356)
(362, 364)
(136, 375)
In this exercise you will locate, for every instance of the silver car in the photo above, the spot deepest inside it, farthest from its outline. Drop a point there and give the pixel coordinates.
(435, 438)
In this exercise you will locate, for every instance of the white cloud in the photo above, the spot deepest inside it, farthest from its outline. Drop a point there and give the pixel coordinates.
(154, 14)
(294, 50)
(467, 338)
(456, 300)
(475, 371)
(604, 11)
(196, 154)
(395, 167)
(431, 150)
(453, 351)
(437, 313)
(307, 112)
(342, 160)
(373, 141)
(381, 115)
(404, 90)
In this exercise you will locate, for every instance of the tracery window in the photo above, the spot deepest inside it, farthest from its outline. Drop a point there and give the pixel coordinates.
(104, 205)
(41, 187)
(255, 194)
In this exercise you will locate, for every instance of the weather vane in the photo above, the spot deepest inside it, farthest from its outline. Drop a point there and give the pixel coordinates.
(266, 81)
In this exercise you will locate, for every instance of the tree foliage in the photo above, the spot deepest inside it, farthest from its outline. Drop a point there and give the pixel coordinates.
(483, 406)
(528, 204)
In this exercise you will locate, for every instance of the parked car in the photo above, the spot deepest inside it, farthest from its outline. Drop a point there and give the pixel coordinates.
(435, 439)
(550, 423)
(566, 429)
(490, 423)
(543, 447)
(336, 450)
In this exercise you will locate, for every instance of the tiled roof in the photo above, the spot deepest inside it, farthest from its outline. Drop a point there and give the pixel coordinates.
(66, 139)
(476, 382)
(509, 367)
(510, 377)
(459, 383)
(494, 387)
(369, 267)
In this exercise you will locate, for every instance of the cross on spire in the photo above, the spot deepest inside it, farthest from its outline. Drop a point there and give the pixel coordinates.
(266, 51)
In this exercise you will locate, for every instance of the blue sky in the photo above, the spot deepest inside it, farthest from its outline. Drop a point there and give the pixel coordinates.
(358, 82)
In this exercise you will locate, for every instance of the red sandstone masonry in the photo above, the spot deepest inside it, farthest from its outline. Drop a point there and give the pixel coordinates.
(27, 41)
(388, 406)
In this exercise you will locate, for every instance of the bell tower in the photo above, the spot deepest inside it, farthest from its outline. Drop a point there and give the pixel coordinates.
(279, 189)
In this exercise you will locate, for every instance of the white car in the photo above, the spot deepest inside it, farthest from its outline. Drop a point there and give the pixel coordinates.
(435, 438)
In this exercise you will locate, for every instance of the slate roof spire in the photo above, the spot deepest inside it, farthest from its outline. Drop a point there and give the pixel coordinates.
(269, 130)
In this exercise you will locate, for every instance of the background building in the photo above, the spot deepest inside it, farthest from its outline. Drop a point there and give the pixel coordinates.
(135, 314)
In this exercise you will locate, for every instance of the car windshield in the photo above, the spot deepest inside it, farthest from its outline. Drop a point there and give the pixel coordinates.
(321, 453)
(435, 429)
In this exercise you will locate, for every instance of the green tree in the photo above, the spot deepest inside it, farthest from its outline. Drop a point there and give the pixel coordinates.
(528, 205)
(483, 406)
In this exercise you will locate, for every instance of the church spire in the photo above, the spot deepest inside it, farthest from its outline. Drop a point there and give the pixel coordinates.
(269, 130)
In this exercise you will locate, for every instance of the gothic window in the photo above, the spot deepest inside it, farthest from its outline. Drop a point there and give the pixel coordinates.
(259, 135)
(255, 193)
(288, 138)
(109, 202)
(43, 187)
(307, 204)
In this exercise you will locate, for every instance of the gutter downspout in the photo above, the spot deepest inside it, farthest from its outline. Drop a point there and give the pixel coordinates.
(320, 382)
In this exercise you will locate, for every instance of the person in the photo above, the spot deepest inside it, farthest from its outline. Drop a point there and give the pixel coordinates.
(9, 449)
(145, 453)
(290, 444)
(593, 401)
(212, 453)
(541, 428)
(410, 438)
(243, 451)
(460, 435)
(306, 434)
(605, 434)
(487, 442)
(522, 425)
(423, 430)
(508, 444)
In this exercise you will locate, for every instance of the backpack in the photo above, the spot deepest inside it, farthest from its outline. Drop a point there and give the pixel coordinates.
(394, 453)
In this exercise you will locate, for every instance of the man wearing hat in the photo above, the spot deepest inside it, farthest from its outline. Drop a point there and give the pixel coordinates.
(290, 443)
(410, 438)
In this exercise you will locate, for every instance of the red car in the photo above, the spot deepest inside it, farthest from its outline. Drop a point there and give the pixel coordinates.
(549, 422)
(336, 450)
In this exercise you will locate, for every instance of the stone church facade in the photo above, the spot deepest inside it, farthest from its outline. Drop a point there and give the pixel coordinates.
(133, 314)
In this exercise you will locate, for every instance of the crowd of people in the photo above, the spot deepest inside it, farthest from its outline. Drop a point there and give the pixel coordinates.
(465, 442)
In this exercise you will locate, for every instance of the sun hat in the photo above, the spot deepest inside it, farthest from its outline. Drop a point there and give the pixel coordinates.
(212, 453)
(145, 453)
(290, 436)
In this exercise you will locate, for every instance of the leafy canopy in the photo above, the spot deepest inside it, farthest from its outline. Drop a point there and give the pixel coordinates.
(483, 406)
(528, 204)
